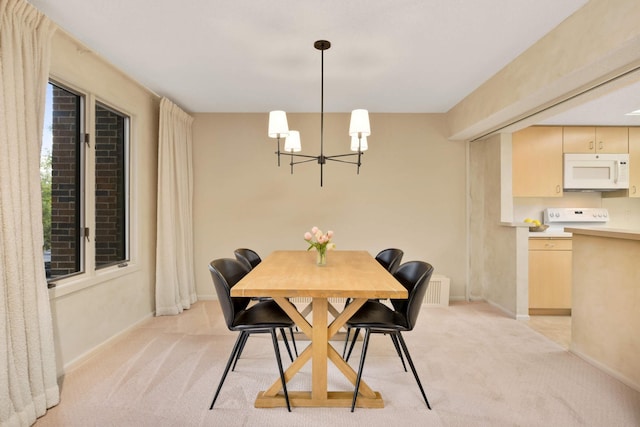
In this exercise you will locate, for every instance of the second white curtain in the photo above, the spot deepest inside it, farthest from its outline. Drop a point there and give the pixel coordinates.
(175, 279)
(28, 384)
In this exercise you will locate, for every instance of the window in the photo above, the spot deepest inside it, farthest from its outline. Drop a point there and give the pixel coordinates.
(60, 171)
(78, 223)
(111, 200)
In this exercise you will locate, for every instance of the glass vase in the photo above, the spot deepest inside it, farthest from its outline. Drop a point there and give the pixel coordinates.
(321, 257)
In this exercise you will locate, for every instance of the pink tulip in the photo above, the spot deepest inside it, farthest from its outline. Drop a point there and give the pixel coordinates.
(314, 230)
(329, 234)
(307, 236)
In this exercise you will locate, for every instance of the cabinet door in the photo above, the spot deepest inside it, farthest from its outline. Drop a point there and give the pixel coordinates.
(537, 162)
(550, 279)
(579, 139)
(612, 140)
(634, 162)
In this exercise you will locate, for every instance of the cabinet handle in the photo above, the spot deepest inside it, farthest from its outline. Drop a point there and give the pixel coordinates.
(634, 190)
(557, 189)
(549, 245)
(590, 145)
(600, 145)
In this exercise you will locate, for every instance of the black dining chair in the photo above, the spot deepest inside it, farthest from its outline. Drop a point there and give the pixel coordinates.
(247, 256)
(262, 317)
(390, 259)
(251, 259)
(376, 317)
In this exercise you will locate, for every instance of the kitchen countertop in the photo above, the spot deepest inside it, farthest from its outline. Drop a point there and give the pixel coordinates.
(615, 233)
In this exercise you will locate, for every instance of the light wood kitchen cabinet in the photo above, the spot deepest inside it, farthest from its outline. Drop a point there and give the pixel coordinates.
(537, 162)
(595, 139)
(550, 276)
(634, 162)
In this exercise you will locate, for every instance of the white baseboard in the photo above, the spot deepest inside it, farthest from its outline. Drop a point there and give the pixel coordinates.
(615, 374)
(502, 309)
(87, 354)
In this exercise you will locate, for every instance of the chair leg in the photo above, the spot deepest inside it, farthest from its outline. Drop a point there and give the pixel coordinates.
(244, 336)
(353, 343)
(276, 348)
(365, 345)
(286, 343)
(293, 340)
(346, 342)
(413, 368)
(232, 356)
(397, 346)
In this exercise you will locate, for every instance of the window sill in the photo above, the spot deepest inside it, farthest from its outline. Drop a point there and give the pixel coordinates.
(78, 283)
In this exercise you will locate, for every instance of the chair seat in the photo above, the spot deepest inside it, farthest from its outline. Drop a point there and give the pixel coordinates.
(265, 314)
(377, 316)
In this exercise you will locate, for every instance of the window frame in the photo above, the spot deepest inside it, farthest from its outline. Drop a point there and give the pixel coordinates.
(126, 184)
(89, 274)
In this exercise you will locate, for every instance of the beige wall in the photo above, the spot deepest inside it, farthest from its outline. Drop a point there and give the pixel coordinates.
(90, 309)
(498, 262)
(410, 192)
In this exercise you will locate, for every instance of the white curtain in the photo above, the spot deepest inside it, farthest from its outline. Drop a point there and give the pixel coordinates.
(28, 384)
(175, 279)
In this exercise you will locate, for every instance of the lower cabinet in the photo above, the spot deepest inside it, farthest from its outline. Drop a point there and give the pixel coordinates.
(549, 276)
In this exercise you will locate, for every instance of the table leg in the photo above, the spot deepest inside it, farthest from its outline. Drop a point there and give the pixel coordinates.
(319, 341)
(320, 352)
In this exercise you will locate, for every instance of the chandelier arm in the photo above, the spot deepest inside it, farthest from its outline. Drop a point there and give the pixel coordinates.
(304, 161)
(342, 161)
(340, 155)
(304, 156)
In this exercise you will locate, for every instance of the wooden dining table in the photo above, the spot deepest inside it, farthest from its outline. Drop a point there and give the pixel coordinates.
(348, 274)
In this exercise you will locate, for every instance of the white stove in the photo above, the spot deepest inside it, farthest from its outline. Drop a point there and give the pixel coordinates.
(559, 218)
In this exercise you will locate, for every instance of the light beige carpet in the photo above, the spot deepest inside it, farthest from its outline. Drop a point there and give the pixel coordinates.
(478, 367)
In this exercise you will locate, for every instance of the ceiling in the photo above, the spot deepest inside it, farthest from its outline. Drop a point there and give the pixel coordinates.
(609, 109)
(404, 56)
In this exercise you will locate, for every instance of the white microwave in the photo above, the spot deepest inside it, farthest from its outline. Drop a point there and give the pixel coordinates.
(600, 172)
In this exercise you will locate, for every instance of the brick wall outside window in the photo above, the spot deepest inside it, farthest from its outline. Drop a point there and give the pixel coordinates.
(110, 187)
(65, 225)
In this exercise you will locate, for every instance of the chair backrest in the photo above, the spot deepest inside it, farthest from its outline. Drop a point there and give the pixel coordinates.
(415, 276)
(247, 256)
(226, 272)
(390, 259)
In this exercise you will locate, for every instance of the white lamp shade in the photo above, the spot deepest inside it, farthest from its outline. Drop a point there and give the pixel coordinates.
(292, 143)
(278, 125)
(359, 123)
(361, 142)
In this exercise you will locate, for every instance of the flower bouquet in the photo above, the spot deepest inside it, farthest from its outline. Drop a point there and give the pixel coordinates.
(321, 242)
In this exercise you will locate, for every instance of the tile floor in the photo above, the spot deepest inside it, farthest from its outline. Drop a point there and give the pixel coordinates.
(556, 328)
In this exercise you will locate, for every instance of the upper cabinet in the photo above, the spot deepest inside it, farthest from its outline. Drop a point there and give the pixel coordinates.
(537, 162)
(593, 139)
(634, 162)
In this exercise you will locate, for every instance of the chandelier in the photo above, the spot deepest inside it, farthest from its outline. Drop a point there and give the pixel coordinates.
(359, 129)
